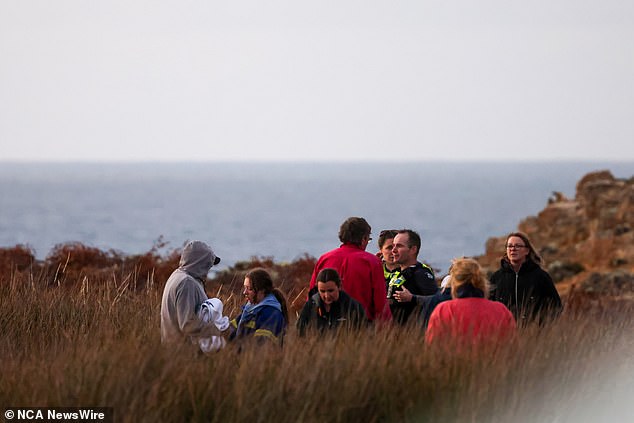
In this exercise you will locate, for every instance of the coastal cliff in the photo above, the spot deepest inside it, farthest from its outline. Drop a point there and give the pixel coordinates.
(587, 242)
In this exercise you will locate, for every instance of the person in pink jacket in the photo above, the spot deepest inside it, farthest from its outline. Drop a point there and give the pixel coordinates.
(469, 318)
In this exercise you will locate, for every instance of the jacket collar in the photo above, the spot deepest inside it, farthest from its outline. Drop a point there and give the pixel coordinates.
(352, 246)
(527, 266)
(469, 291)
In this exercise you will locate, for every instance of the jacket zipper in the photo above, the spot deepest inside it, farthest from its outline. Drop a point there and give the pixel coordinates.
(517, 313)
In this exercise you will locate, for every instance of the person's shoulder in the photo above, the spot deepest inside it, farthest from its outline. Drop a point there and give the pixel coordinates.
(503, 269)
(310, 302)
(422, 267)
(502, 310)
(445, 305)
(328, 254)
(347, 300)
(184, 282)
(497, 306)
(444, 309)
(267, 312)
(533, 268)
(373, 259)
(542, 271)
(360, 255)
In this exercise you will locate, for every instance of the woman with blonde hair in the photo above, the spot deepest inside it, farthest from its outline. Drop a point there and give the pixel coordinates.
(469, 317)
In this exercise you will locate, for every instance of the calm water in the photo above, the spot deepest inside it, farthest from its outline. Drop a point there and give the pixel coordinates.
(282, 210)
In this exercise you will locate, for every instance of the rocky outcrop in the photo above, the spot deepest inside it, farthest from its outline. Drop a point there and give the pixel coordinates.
(586, 242)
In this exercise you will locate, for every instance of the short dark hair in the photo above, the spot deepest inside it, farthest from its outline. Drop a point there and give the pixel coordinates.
(385, 235)
(353, 230)
(327, 275)
(414, 238)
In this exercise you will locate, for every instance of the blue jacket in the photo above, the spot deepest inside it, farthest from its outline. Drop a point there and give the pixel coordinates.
(262, 321)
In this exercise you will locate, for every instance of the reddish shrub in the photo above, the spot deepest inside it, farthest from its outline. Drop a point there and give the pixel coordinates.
(19, 258)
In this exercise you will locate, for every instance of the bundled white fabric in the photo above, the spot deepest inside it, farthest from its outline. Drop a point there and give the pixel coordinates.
(211, 311)
(215, 343)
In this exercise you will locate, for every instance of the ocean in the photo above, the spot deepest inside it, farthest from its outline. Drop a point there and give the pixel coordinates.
(279, 210)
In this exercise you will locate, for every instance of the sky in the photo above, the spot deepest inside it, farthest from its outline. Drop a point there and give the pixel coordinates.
(316, 80)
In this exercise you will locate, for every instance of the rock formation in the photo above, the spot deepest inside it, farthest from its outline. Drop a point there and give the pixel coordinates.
(586, 242)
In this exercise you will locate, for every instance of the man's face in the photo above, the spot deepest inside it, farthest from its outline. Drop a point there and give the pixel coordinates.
(328, 291)
(386, 251)
(403, 253)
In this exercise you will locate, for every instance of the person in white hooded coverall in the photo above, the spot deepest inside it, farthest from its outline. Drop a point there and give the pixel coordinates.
(184, 295)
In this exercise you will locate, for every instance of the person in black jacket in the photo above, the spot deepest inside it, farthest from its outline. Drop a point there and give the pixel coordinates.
(416, 277)
(330, 308)
(522, 285)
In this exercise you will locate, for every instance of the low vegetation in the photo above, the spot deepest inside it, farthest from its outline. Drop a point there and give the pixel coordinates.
(81, 328)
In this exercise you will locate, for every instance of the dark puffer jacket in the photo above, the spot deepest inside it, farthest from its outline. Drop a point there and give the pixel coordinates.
(530, 294)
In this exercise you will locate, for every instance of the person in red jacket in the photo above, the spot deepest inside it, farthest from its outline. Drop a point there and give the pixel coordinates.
(469, 318)
(361, 272)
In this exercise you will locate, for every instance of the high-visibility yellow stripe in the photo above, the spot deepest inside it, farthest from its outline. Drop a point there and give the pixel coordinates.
(266, 333)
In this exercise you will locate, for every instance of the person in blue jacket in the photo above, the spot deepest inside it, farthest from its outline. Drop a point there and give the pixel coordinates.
(265, 315)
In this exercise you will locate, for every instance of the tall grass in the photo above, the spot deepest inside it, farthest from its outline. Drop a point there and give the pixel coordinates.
(94, 341)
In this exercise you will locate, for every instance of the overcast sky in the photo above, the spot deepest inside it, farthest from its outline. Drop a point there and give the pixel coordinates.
(323, 80)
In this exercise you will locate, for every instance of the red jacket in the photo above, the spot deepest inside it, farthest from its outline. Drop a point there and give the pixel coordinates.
(470, 320)
(361, 277)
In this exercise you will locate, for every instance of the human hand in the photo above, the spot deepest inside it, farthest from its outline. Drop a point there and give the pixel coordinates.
(403, 296)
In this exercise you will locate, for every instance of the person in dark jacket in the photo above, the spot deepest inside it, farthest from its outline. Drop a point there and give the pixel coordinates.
(428, 302)
(522, 285)
(417, 277)
(330, 308)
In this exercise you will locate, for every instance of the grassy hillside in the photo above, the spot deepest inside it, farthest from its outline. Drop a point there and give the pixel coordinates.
(88, 335)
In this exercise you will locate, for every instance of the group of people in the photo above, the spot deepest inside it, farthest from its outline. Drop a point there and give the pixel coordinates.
(352, 288)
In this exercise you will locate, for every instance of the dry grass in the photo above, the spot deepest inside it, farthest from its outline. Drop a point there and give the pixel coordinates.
(93, 340)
